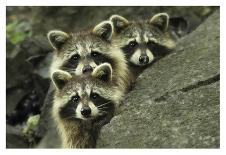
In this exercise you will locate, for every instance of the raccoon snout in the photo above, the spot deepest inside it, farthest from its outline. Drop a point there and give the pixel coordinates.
(144, 59)
(87, 69)
(86, 111)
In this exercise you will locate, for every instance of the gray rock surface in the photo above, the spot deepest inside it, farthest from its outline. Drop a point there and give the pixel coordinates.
(175, 103)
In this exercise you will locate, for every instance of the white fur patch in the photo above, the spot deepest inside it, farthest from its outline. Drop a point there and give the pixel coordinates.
(154, 40)
(150, 55)
(169, 43)
(129, 40)
(58, 103)
(146, 37)
(138, 38)
(80, 49)
(78, 111)
(94, 109)
(71, 95)
(117, 97)
(79, 68)
(56, 63)
(93, 64)
(135, 57)
(80, 91)
(88, 89)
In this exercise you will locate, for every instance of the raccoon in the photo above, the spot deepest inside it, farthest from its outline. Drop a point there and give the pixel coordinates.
(83, 104)
(142, 42)
(81, 52)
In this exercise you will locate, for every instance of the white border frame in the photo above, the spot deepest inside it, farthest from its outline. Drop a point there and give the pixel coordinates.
(5, 3)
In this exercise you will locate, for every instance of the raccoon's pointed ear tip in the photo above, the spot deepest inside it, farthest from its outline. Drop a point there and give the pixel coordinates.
(115, 16)
(102, 24)
(107, 66)
(103, 72)
(57, 38)
(104, 30)
(56, 32)
(163, 14)
(119, 18)
(60, 78)
(118, 22)
(161, 20)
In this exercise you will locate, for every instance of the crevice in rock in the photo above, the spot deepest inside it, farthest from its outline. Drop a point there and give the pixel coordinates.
(190, 87)
(202, 83)
(163, 97)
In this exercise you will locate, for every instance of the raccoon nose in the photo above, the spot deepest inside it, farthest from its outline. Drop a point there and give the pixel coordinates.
(86, 111)
(144, 59)
(87, 69)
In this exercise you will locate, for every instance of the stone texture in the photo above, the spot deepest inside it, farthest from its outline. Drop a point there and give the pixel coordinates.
(175, 103)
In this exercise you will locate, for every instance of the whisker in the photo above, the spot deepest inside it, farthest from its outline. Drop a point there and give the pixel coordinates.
(102, 111)
(104, 104)
(69, 117)
(101, 108)
(69, 68)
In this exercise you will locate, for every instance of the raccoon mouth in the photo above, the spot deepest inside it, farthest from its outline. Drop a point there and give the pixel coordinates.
(143, 64)
(138, 64)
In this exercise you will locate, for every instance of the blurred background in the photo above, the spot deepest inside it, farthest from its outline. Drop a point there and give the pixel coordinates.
(28, 57)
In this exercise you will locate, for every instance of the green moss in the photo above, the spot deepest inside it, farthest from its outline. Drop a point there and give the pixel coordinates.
(18, 31)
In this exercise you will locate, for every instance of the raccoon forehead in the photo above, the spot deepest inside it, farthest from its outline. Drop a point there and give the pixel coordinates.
(130, 33)
(72, 87)
(105, 91)
(139, 29)
(86, 47)
(88, 40)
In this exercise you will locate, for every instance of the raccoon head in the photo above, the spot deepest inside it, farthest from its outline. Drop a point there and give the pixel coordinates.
(142, 41)
(81, 52)
(86, 97)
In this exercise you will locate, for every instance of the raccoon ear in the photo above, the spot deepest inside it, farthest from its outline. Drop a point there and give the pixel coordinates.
(179, 25)
(57, 38)
(104, 30)
(161, 20)
(119, 22)
(103, 72)
(60, 78)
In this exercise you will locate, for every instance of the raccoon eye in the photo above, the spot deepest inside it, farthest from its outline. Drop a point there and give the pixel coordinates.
(95, 54)
(133, 44)
(75, 57)
(94, 96)
(75, 98)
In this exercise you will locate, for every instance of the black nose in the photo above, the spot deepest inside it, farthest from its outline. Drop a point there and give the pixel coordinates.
(144, 59)
(87, 69)
(85, 111)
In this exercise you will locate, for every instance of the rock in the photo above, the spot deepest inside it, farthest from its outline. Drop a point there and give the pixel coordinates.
(175, 103)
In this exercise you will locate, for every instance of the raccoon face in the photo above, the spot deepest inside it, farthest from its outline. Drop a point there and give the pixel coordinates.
(85, 97)
(144, 41)
(80, 53)
(84, 54)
